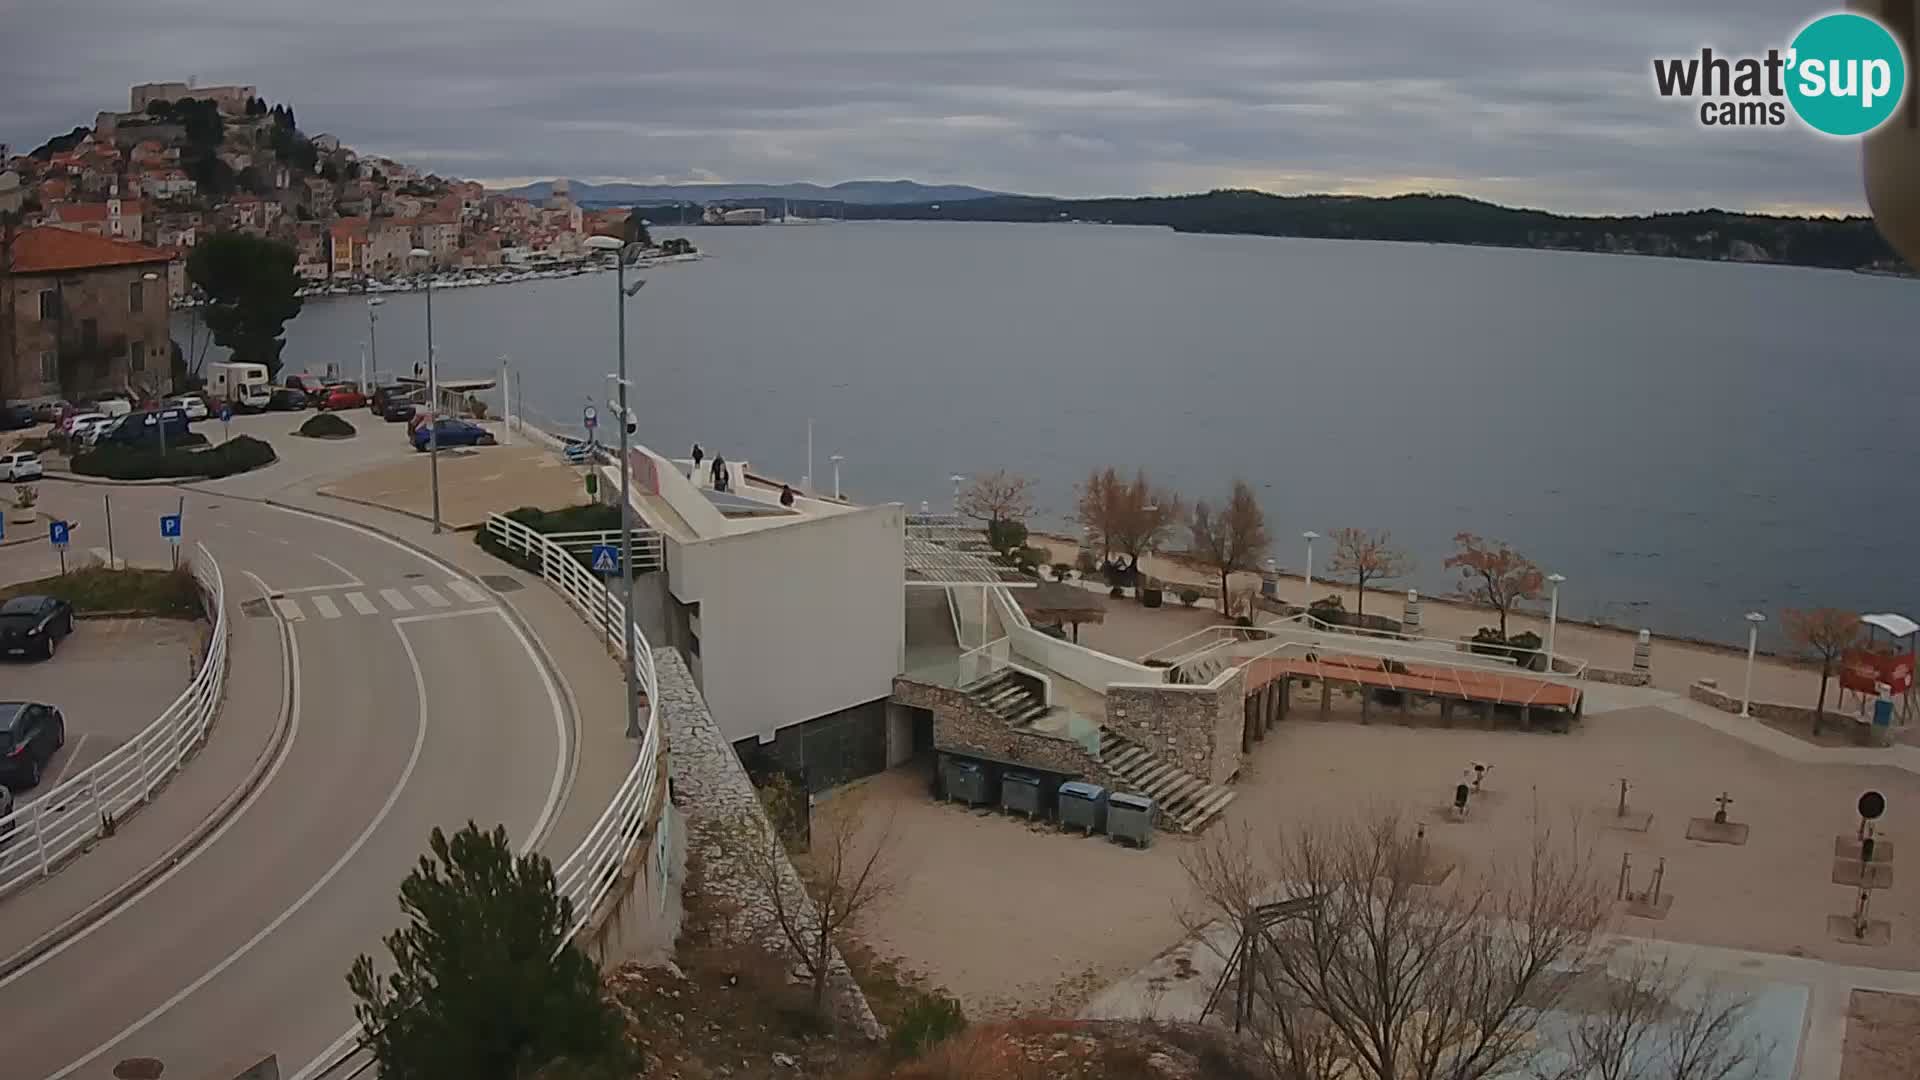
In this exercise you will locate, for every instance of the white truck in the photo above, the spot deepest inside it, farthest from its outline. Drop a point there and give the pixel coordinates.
(243, 386)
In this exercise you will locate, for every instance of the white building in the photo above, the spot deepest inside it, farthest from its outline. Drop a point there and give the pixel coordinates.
(799, 611)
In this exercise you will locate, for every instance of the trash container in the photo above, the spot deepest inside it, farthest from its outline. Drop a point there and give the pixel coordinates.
(969, 782)
(1020, 792)
(1130, 817)
(1083, 806)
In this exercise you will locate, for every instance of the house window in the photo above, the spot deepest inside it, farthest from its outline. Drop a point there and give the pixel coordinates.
(136, 297)
(137, 355)
(89, 334)
(49, 367)
(49, 304)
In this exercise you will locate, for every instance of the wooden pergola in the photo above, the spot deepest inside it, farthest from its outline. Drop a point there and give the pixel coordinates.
(1059, 604)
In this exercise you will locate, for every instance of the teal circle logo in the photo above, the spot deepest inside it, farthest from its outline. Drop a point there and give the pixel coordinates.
(1846, 74)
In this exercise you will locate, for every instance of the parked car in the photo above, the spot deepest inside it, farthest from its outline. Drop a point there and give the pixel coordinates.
(20, 465)
(310, 385)
(113, 406)
(29, 734)
(75, 418)
(196, 407)
(88, 429)
(451, 432)
(50, 412)
(34, 624)
(343, 396)
(16, 416)
(286, 400)
(383, 395)
(144, 426)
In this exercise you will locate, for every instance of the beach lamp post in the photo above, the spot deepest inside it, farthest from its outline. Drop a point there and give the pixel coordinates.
(1754, 619)
(374, 304)
(621, 295)
(957, 481)
(1309, 536)
(433, 398)
(836, 459)
(1553, 615)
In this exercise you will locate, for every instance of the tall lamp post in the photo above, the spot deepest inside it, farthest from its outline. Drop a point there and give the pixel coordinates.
(1309, 536)
(1754, 619)
(957, 481)
(621, 295)
(836, 459)
(433, 396)
(373, 339)
(1553, 616)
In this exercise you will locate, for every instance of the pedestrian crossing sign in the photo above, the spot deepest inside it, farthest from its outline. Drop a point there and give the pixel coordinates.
(606, 559)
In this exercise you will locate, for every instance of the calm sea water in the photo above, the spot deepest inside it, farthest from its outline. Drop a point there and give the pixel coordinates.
(1685, 441)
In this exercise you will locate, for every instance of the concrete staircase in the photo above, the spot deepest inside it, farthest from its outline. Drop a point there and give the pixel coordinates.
(1202, 669)
(1185, 801)
(1009, 695)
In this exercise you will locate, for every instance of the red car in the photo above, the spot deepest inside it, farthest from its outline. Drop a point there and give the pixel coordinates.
(342, 397)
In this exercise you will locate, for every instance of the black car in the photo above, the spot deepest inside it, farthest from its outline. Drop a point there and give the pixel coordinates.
(287, 400)
(34, 625)
(29, 734)
(15, 416)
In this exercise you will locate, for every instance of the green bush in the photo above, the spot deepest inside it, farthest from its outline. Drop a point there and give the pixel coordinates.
(1006, 537)
(327, 425)
(1189, 597)
(1085, 564)
(932, 1018)
(147, 462)
(1523, 647)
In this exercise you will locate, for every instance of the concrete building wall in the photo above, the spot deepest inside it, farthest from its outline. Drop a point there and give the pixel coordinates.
(795, 621)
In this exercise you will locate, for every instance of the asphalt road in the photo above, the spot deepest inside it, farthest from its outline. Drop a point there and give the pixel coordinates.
(416, 703)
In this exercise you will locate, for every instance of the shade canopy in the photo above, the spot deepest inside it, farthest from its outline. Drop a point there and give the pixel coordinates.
(1897, 625)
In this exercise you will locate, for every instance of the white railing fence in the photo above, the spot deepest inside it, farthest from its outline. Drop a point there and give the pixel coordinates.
(63, 819)
(589, 873)
(648, 550)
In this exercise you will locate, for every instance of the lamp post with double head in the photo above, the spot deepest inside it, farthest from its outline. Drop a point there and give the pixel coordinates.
(621, 251)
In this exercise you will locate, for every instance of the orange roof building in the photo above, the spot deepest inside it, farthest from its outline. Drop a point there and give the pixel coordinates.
(86, 313)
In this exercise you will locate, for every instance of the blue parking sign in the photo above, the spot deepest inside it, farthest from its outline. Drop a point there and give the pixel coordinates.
(57, 532)
(170, 526)
(606, 559)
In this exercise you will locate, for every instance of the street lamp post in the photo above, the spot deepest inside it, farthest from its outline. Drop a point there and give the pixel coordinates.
(433, 397)
(957, 481)
(1754, 619)
(1553, 616)
(373, 339)
(621, 295)
(1309, 536)
(836, 459)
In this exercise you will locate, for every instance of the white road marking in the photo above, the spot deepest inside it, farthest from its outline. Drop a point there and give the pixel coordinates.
(361, 604)
(351, 580)
(290, 705)
(325, 606)
(466, 591)
(393, 797)
(290, 608)
(432, 596)
(396, 599)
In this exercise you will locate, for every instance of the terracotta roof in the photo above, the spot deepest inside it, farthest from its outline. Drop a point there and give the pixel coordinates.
(48, 250)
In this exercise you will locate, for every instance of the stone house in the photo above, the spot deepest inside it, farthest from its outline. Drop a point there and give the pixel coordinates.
(441, 236)
(346, 247)
(116, 217)
(81, 313)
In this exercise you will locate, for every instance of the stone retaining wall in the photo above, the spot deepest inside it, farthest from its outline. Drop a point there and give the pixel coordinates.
(1196, 728)
(962, 726)
(1618, 678)
(711, 787)
(1707, 693)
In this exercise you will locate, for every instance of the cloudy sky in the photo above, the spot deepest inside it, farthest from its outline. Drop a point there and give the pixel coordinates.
(1543, 103)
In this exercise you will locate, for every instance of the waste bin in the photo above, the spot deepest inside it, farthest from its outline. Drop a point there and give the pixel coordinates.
(1130, 817)
(1020, 792)
(969, 782)
(1083, 806)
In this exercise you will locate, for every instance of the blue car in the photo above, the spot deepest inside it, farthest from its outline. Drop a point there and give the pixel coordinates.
(453, 433)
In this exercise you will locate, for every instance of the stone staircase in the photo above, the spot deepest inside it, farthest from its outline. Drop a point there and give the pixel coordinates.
(1202, 669)
(1185, 801)
(1009, 695)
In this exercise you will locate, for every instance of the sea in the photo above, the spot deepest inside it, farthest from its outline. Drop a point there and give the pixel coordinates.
(1684, 441)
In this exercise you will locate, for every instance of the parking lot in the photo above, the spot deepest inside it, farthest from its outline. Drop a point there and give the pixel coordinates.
(111, 678)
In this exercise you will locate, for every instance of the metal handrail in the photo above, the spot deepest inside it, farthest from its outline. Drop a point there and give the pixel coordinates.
(588, 874)
(67, 817)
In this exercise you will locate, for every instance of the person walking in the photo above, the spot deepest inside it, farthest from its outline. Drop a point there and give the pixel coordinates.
(786, 495)
(699, 455)
(719, 473)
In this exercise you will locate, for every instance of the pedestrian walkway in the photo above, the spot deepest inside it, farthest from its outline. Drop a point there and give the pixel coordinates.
(325, 603)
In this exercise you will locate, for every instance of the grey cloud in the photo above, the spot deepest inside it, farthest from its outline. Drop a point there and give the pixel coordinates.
(1544, 103)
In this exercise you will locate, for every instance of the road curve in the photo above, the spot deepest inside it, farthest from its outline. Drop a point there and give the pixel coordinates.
(414, 702)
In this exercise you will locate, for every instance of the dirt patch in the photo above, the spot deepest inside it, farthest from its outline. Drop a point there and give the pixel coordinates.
(1883, 1037)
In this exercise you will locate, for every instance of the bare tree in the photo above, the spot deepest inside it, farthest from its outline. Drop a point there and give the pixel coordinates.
(1231, 539)
(1494, 574)
(1647, 1017)
(1133, 519)
(805, 901)
(1365, 555)
(1379, 976)
(1826, 633)
(1100, 507)
(998, 496)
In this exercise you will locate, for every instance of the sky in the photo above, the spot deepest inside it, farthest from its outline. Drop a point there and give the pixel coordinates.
(1543, 103)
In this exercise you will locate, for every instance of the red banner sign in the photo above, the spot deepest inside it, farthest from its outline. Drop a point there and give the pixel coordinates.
(1865, 672)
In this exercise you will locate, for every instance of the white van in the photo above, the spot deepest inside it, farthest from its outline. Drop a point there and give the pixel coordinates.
(243, 386)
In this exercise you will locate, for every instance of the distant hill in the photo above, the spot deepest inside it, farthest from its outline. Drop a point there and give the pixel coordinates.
(1849, 243)
(854, 192)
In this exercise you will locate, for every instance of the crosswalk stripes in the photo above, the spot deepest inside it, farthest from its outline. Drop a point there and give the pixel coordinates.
(431, 595)
(467, 591)
(325, 606)
(360, 604)
(396, 599)
(289, 609)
